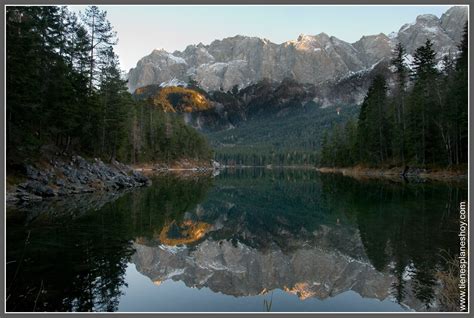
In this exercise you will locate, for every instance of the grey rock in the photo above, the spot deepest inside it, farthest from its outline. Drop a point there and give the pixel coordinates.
(80, 176)
(159, 66)
(216, 165)
(427, 26)
(451, 22)
(122, 182)
(38, 188)
(140, 178)
(314, 59)
(24, 196)
(11, 197)
(31, 172)
(374, 48)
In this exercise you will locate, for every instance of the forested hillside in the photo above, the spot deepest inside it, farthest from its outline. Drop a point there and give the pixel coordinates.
(265, 123)
(292, 138)
(65, 93)
(422, 121)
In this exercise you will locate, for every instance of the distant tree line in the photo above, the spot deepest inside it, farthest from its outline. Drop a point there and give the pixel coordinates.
(248, 156)
(422, 120)
(64, 88)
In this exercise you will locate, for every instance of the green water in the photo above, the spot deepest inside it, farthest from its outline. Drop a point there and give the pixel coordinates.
(246, 240)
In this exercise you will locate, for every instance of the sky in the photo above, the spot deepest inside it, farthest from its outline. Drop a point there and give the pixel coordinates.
(141, 29)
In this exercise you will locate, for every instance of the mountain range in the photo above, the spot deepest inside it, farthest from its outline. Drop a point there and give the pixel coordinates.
(321, 60)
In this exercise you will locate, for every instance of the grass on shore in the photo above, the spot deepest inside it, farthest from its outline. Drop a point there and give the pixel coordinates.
(449, 279)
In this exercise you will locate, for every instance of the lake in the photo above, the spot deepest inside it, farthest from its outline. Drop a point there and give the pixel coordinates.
(253, 240)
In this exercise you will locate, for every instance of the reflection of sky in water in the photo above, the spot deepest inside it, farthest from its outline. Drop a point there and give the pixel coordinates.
(142, 295)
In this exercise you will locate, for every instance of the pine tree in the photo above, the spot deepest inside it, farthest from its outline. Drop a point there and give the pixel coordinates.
(115, 102)
(351, 143)
(65, 88)
(22, 79)
(425, 100)
(458, 104)
(38, 76)
(373, 134)
(462, 68)
(325, 159)
(401, 73)
(102, 37)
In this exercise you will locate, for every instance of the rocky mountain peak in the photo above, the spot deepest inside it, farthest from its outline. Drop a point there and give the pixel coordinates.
(429, 26)
(242, 60)
(451, 22)
(311, 42)
(311, 38)
(427, 19)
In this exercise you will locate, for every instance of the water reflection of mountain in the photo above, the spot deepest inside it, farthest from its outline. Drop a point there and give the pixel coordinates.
(247, 232)
(239, 270)
(313, 235)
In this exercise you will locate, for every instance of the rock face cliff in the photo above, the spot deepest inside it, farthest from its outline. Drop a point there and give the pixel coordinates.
(314, 59)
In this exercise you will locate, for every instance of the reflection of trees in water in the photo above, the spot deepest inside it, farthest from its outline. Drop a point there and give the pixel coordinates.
(165, 202)
(267, 207)
(80, 262)
(404, 228)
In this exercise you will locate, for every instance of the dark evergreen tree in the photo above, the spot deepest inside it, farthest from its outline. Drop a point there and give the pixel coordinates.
(102, 37)
(373, 126)
(459, 97)
(115, 103)
(424, 102)
(401, 75)
(51, 61)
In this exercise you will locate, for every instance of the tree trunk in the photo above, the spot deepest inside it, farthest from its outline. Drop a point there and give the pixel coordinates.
(403, 129)
(92, 55)
(423, 142)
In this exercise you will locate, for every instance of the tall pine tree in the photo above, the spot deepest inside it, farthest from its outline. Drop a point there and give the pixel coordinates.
(373, 126)
(424, 101)
(102, 36)
(401, 76)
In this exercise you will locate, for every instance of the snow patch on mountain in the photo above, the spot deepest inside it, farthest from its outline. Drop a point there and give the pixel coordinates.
(405, 27)
(409, 60)
(174, 82)
(392, 35)
(176, 59)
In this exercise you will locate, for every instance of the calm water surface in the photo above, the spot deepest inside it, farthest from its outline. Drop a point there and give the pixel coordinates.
(246, 240)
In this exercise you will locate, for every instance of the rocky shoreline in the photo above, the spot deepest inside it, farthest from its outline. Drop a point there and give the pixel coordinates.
(399, 173)
(185, 166)
(61, 177)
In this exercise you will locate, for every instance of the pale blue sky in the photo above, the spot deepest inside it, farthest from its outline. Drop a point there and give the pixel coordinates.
(143, 28)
